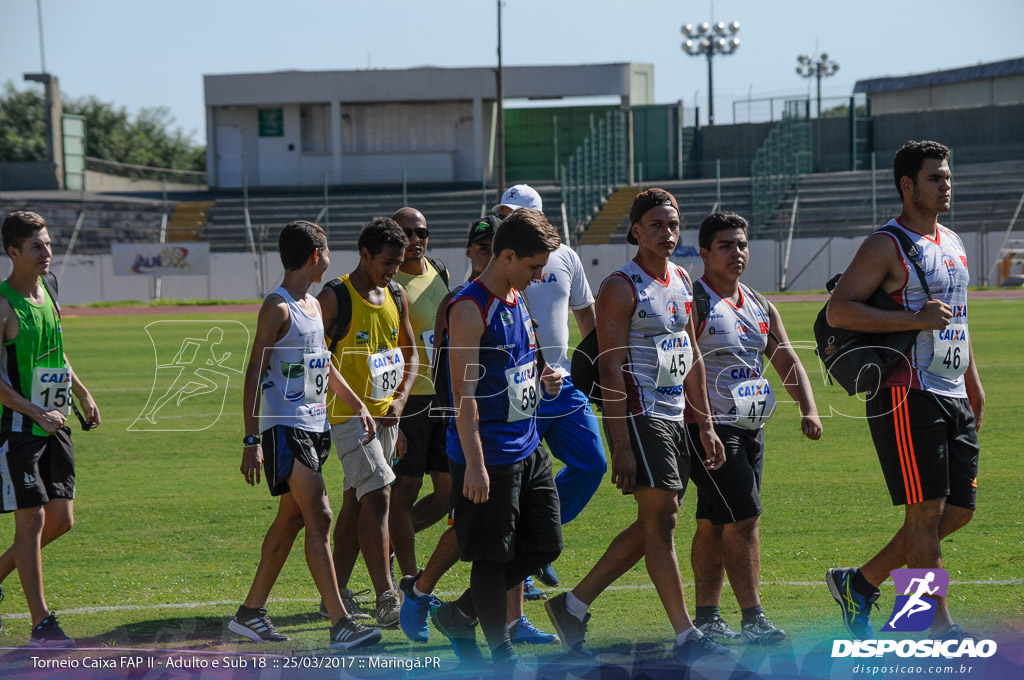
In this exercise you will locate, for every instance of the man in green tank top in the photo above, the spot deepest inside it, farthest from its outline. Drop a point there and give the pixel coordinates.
(37, 460)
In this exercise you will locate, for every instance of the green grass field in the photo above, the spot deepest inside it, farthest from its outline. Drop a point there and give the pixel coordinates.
(168, 534)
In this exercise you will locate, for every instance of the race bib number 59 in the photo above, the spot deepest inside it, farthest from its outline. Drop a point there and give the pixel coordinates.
(523, 391)
(51, 389)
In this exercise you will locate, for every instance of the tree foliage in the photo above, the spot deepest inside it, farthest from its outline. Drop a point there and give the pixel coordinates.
(111, 133)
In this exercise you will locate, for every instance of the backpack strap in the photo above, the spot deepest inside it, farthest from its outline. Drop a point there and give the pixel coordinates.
(912, 253)
(441, 269)
(343, 317)
(396, 292)
(766, 306)
(701, 302)
(49, 281)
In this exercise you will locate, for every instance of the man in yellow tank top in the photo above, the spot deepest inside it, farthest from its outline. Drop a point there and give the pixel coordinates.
(421, 434)
(372, 344)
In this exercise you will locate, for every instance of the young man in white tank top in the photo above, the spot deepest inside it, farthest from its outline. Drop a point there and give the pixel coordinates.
(925, 415)
(286, 383)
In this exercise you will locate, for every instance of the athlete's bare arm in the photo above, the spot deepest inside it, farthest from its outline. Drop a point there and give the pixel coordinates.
(271, 325)
(615, 305)
(696, 388)
(878, 264)
(794, 377)
(975, 392)
(467, 327)
(586, 320)
(50, 421)
(92, 411)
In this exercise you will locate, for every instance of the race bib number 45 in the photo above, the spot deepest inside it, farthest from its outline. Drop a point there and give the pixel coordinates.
(523, 391)
(675, 357)
(51, 389)
(386, 372)
(951, 351)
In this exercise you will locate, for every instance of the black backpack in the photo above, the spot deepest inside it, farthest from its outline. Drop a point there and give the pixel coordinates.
(442, 271)
(859, 361)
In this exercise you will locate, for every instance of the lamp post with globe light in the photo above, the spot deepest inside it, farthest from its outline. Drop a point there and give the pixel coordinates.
(824, 67)
(709, 40)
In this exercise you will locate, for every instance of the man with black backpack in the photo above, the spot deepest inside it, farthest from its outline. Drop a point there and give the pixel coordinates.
(371, 341)
(736, 329)
(421, 431)
(925, 414)
(37, 458)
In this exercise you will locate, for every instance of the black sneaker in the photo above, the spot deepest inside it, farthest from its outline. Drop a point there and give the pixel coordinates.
(348, 633)
(49, 634)
(571, 631)
(761, 631)
(352, 606)
(717, 629)
(702, 647)
(461, 635)
(954, 632)
(255, 625)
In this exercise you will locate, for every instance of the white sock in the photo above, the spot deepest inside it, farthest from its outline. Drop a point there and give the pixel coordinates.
(576, 606)
(690, 632)
(416, 591)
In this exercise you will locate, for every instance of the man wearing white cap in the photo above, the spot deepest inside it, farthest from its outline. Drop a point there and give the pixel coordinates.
(566, 422)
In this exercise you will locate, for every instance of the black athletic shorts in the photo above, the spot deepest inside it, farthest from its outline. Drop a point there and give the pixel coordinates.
(283, 446)
(660, 451)
(521, 513)
(927, 445)
(732, 492)
(34, 470)
(426, 438)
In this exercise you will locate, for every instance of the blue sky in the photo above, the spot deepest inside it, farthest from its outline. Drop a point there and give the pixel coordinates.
(138, 53)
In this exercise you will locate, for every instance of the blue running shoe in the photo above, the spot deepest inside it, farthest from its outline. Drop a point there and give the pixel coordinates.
(856, 607)
(413, 616)
(525, 633)
(461, 635)
(548, 576)
(532, 592)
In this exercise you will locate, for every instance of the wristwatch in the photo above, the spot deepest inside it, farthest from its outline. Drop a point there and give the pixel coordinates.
(251, 440)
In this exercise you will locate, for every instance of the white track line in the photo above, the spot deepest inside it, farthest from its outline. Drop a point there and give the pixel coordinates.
(448, 594)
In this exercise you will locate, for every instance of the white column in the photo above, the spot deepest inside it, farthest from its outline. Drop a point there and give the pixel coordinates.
(336, 139)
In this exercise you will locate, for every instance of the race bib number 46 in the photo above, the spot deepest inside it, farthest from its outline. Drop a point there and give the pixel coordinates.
(51, 389)
(951, 351)
(675, 357)
(386, 371)
(755, 403)
(523, 391)
(317, 369)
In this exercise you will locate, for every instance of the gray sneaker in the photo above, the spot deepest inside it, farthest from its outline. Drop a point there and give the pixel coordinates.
(349, 634)
(718, 629)
(571, 631)
(761, 631)
(389, 606)
(348, 598)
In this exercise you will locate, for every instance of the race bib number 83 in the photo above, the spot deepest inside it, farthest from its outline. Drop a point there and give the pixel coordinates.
(51, 389)
(386, 371)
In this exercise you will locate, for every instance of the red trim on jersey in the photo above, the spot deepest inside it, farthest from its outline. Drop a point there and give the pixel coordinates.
(938, 232)
(664, 282)
(897, 294)
(725, 299)
(495, 297)
(632, 286)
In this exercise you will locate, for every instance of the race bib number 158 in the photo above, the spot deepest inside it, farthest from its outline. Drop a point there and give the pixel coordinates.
(51, 389)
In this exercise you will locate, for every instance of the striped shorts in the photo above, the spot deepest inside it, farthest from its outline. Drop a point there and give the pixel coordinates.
(927, 445)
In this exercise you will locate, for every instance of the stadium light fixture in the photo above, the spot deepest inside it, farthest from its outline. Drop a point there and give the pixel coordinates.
(707, 40)
(823, 67)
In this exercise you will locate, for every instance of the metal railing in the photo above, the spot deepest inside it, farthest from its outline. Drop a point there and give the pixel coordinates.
(146, 172)
(596, 168)
(783, 157)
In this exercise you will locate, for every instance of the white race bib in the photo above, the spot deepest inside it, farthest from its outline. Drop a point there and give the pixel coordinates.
(317, 367)
(675, 357)
(755, 403)
(951, 351)
(523, 391)
(386, 372)
(427, 337)
(51, 389)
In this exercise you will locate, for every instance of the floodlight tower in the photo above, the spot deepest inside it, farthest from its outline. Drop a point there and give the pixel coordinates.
(824, 67)
(709, 40)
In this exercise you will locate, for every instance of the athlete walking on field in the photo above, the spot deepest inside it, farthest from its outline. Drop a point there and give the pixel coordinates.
(925, 415)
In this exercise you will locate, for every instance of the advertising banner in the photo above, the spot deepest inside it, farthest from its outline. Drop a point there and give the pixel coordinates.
(161, 259)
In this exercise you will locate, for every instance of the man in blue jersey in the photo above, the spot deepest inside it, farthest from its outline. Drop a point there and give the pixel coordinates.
(505, 502)
(285, 400)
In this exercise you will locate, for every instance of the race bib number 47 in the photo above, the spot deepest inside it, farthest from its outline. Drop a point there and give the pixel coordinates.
(755, 403)
(386, 371)
(51, 389)
(675, 357)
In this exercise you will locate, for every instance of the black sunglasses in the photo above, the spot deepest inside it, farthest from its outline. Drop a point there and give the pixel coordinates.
(421, 232)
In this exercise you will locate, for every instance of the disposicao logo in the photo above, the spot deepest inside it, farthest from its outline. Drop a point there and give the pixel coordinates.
(914, 610)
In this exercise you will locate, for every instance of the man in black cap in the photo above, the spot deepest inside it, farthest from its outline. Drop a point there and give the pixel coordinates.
(650, 370)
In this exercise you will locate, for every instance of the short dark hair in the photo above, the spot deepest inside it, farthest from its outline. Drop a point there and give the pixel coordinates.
(526, 233)
(380, 232)
(910, 158)
(719, 221)
(299, 240)
(20, 225)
